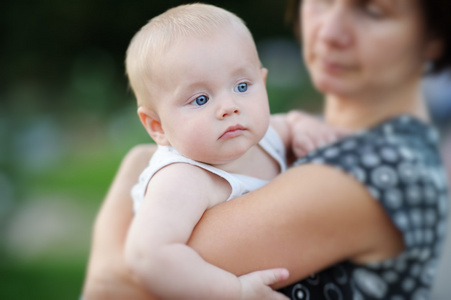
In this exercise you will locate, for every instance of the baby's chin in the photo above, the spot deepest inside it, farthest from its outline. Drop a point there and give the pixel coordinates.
(232, 160)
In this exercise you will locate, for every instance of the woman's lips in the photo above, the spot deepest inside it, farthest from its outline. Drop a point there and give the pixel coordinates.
(333, 67)
(232, 131)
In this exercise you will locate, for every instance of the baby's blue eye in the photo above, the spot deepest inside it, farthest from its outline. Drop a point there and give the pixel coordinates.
(242, 87)
(201, 100)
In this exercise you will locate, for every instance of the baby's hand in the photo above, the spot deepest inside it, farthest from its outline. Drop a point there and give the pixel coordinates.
(309, 133)
(256, 285)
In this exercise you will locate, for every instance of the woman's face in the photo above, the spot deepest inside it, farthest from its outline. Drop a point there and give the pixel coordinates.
(364, 46)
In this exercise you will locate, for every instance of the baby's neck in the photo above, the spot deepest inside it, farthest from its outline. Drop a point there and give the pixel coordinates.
(255, 163)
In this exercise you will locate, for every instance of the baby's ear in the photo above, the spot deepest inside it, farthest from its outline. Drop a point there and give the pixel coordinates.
(151, 122)
(264, 74)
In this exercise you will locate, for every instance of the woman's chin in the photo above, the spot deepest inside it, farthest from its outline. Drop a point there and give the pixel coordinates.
(331, 87)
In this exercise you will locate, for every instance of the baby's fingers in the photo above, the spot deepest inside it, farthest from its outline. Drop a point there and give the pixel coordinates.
(256, 285)
(272, 276)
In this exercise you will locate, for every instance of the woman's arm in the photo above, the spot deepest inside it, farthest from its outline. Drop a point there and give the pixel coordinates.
(306, 219)
(107, 276)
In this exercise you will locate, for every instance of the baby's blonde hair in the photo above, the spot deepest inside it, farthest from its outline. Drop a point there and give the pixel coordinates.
(154, 38)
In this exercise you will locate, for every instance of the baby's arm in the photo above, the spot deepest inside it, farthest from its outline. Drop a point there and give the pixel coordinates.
(156, 249)
(302, 133)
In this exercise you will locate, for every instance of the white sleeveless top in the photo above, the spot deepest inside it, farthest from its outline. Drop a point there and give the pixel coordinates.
(241, 184)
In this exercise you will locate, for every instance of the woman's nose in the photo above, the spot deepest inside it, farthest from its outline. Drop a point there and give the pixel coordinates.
(334, 29)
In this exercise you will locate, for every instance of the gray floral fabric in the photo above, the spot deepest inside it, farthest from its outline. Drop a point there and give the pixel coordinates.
(398, 161)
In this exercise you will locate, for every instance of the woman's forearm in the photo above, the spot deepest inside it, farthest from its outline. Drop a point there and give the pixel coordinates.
(107, 277)
(297, 221)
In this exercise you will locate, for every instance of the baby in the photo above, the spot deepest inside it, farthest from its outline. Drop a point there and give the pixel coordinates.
(201, 96)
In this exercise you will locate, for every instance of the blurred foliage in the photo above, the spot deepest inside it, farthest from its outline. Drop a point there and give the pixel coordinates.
(67, 118)
(73, 52)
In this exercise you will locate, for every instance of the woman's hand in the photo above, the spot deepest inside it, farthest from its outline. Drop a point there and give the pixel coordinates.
(302, 133)
(309, 133)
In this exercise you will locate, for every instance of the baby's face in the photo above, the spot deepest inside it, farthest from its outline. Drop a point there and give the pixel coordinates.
(210, 96)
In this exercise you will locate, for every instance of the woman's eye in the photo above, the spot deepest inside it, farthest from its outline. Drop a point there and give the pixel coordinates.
(201, 100)
(373, 10)
(242, 87)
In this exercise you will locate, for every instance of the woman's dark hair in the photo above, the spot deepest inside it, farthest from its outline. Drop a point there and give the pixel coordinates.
(437, 16)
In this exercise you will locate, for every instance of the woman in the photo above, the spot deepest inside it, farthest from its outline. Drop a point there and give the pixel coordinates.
(361, 219)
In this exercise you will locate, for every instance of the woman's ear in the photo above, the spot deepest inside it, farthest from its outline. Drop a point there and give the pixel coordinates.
(152, 124)
(264, 74)
(434, 49)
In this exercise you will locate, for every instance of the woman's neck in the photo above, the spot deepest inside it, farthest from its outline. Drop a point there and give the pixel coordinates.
(363, 112)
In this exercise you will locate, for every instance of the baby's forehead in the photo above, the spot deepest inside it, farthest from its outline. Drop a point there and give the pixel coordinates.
(234, 35)
(204, 59)
(207, 33)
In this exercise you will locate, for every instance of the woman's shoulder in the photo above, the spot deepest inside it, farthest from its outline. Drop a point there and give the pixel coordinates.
(398, 162)
(399, 150)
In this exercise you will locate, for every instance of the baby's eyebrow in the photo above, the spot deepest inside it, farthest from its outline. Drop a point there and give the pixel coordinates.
(245, 69)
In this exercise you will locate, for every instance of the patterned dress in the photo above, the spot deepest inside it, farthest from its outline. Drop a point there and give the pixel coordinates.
(398, 161)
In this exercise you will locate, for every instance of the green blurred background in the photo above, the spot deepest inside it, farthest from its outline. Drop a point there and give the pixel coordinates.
(67, 118)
